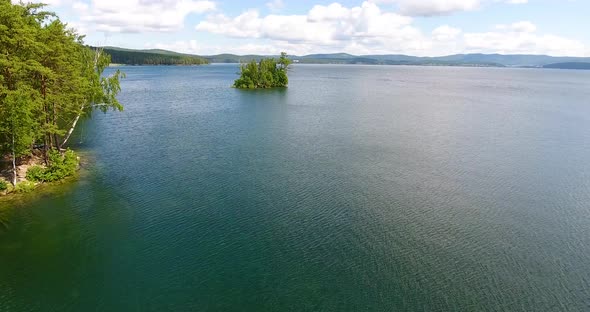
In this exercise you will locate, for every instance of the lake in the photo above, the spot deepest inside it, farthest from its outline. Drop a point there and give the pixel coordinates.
(358, 188)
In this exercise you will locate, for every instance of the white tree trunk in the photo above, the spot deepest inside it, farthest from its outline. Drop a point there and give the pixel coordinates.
(13, 162)
(73, 127)
(70, 131)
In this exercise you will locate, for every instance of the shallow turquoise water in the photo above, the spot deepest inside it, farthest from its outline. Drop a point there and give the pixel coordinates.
(359, 188)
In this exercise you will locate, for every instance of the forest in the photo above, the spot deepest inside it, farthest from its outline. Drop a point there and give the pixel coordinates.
(130, 57)
(49, 80)
(268, 73)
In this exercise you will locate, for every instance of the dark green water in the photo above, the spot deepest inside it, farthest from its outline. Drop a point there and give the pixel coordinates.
(357, 189)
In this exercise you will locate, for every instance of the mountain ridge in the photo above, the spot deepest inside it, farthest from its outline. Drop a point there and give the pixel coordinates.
(469, 59)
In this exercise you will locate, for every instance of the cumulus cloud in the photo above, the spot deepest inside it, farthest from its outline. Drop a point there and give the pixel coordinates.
(522, 38)
(445, 33)
(440, 7)
(368, 29)
(435, 7)
(139, 15)
(242, 48)
(324, 26)
(372, 27)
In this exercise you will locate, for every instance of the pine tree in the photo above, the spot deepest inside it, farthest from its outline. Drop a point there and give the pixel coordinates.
(19, 51)
(48, 81)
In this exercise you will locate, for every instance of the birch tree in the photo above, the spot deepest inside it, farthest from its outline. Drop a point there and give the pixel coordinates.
(49, 80)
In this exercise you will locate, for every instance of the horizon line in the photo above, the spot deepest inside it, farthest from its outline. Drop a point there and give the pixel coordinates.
(332, 53)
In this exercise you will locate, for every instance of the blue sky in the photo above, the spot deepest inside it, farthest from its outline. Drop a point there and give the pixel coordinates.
(415, 27)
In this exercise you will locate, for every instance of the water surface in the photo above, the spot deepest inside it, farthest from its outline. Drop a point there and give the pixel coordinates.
(359, 188)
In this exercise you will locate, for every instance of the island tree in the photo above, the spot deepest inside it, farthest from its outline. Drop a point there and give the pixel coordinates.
(268, 73)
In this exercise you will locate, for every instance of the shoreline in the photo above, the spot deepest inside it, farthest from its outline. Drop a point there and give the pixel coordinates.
(17, 199)
(31, 187)
(21, 173)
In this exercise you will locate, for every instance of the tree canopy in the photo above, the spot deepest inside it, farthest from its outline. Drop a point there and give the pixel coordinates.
(48, 80)
(152, 58)
(268, 73)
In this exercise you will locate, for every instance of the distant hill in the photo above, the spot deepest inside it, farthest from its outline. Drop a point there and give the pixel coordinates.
(342, 56)
(569, 65)
(232, 58)
(451, 60)
(152, 57)
(487, 60)
(164, 57)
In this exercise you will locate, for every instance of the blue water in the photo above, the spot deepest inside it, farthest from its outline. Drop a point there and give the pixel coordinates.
(358, 188)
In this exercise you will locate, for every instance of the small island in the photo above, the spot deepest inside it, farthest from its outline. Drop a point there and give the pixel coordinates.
(268, 73)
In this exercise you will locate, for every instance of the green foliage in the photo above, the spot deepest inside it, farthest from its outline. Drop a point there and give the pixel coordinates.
(149, 58)
(268, 73)
(19, 54)
(24, 187)
(36, 174)
(48, 80)
(60, 167)
(17, 125)
(3, 185)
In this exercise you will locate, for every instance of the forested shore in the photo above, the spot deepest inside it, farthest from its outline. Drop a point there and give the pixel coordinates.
(49, 80)
(131, 57)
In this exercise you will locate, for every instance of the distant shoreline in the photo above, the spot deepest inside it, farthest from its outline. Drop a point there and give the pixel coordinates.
(550, 66)
(165, 57)
(160, 65)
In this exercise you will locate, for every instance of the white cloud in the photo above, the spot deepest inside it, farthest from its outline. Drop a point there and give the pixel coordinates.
(275, 5)
(524, 26)
(324, 26)
(439, 7)
(194, 47)
(435, 7)
(80, 6)
(522, 38)
(445, 33)
(140, 15)
(367, 29)
(188, 46)
(331, 12)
